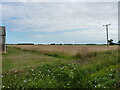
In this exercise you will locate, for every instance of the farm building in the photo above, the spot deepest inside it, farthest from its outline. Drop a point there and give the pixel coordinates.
(2, 39)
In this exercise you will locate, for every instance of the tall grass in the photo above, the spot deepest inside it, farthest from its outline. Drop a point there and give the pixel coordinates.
(65, 50)
(100, 71)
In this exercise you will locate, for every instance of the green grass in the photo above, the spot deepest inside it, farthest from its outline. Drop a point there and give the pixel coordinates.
(51, 54)
(17, 59)
(98, 70)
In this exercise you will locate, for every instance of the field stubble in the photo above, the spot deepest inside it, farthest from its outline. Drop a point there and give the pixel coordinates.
(66, 50)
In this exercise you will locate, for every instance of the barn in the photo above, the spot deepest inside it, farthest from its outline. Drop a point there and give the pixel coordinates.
(2, 39)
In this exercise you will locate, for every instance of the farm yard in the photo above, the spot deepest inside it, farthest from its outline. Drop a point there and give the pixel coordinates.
(60, 66)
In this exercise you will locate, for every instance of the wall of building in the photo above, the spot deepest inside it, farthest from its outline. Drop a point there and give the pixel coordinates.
(2, 39)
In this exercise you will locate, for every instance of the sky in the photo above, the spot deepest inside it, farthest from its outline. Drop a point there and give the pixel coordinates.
(59, 22)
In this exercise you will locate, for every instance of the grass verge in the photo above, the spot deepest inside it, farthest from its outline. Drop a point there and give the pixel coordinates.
(101, 71)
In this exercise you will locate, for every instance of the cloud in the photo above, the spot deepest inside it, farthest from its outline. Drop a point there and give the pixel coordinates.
(50, 17)
(38, 36)
(54, 17)
(59, 0)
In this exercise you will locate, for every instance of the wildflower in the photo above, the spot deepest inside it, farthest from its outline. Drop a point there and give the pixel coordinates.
(49, 71)
(74, 68)
(110, 74)
(111, 69)
(15, 71)
(32, 70)
(25, 81)
(99, 85)
(29, 80)
(33, 74)
(95, 81)
(68, 84)
(3, 86)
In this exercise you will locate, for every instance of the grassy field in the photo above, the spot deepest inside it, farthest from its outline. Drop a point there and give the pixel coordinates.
(17, 59)
(70, 50)
(58, 66)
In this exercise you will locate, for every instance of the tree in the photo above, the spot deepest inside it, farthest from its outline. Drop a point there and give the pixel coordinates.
(119, 42)
(110, 42)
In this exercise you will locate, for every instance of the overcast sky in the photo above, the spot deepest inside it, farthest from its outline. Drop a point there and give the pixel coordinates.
(60, 22)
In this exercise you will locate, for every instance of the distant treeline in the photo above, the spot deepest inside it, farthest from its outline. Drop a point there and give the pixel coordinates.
(59, 44)
(83, 44)
(22, 44)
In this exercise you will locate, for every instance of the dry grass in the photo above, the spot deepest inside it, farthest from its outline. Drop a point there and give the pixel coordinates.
(66, 49)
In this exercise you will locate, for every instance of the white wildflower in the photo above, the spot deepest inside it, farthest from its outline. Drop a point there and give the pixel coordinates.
(32, 70)
(111, 69)
(110, 74)
(25, 81)
(15, 70)
(74, 68)
(99, 85)
(68, 84)
(33, 74)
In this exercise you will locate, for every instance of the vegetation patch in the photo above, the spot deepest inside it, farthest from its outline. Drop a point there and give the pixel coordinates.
(100, 71)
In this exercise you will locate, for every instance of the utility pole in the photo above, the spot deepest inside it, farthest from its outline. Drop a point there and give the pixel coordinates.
(107, 31)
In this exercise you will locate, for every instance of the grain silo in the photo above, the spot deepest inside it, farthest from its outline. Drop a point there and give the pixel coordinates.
(2, 39)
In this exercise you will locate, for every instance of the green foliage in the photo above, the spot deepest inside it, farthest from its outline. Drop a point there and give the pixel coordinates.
(17, 59)
(100, 71)
(61, 75)
(111, 42)
(106, 77)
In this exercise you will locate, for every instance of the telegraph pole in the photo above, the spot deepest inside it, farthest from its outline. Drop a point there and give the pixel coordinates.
(107, 31)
